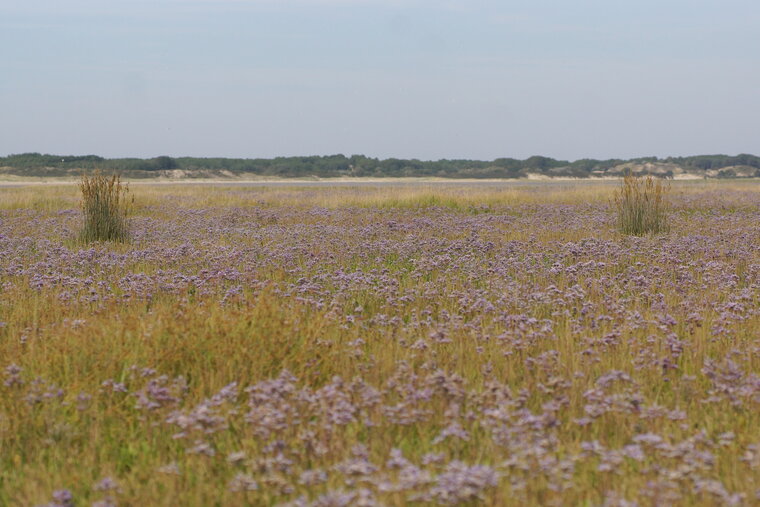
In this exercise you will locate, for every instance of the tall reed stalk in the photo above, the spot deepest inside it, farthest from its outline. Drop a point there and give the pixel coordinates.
(106, 208)
(642, 205)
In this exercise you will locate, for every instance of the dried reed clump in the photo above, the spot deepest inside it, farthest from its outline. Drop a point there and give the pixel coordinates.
(642, 205)
(106, 208)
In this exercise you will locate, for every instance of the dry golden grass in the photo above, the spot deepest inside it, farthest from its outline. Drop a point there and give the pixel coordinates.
(55, 196)
(105, 206)
(642, 205)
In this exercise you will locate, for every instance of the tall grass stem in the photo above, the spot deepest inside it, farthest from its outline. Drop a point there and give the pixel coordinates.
(106, 208)
(642, 205)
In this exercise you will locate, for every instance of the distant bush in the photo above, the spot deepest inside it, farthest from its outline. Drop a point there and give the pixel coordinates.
(330, 166)
(642, 205)
(164, 163)
(106, 208)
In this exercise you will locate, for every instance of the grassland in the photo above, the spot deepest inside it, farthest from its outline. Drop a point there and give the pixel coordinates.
(381, 345)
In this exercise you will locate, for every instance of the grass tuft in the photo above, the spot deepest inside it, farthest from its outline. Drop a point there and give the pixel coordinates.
(106, 208)
(642, 205)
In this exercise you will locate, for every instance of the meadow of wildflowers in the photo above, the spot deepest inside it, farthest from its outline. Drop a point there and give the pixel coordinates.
(365, 346)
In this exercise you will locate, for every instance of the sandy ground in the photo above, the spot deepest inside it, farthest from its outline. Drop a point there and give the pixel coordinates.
(532, 179)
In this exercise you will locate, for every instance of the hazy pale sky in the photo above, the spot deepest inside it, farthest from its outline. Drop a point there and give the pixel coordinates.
(388, 78)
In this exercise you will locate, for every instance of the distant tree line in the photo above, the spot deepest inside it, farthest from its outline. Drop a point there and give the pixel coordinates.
(33, 164)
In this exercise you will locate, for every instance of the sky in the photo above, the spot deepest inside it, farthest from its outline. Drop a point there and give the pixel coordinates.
(420, 79)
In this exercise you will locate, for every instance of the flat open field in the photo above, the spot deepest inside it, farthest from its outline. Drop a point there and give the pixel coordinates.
(381, 345)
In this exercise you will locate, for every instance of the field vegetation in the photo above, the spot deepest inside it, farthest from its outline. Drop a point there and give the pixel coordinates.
(105, 208)
(642, 205)
(459, 345)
